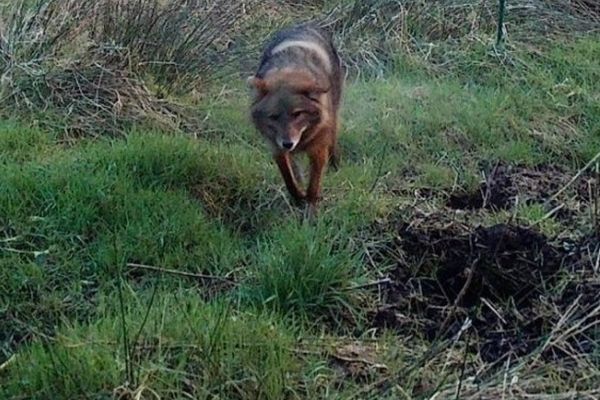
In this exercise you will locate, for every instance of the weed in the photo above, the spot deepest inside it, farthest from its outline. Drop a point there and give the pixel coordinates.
(85, 67)
(185, 344)
(304, 271)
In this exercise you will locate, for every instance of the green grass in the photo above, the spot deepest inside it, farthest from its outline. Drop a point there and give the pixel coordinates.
(80, 323)
(305, 271)
(184, 345)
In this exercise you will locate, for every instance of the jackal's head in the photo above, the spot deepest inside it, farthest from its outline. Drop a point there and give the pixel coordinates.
(288, 105)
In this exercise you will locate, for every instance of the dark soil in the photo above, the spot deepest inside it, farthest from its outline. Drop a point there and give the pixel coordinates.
(499, 276)
(505, 183)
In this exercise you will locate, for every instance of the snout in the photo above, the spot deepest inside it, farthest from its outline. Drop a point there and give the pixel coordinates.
(290, 141)
(286, 144)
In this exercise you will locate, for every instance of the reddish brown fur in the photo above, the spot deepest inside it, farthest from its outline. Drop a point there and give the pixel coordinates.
(298, 89)
(298, 86)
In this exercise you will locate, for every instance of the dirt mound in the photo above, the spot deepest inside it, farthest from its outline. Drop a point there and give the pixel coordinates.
(499, 276)
(538, 184)
(503, 261)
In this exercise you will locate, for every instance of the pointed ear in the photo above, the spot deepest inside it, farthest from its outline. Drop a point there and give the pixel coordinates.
(256, 83)
(258, 87)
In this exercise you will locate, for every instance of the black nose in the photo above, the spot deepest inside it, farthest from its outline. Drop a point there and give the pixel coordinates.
(288, 145)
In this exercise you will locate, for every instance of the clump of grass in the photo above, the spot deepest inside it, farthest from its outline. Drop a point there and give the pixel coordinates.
(196, 33)
(375, 35)
(305, 271)
(99, 67)
(198, 350)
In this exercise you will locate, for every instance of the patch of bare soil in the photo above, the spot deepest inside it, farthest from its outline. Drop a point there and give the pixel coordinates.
(513, 282)
(505, 183)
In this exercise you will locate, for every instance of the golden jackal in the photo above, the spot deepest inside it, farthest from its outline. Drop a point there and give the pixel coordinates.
(297, 92)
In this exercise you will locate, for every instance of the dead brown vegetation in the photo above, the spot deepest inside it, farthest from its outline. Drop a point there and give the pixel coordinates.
(101, 67)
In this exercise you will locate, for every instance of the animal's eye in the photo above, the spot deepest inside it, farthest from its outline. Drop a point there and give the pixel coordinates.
(273, 116)
(298, 113)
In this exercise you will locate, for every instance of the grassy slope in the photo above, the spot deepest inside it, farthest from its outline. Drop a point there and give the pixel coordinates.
(72, 218)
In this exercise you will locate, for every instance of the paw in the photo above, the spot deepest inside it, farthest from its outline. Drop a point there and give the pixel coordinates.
(334, 162)
(310, 212)
(299, 199)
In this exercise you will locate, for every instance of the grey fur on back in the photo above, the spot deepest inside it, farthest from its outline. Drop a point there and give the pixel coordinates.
(300, 57)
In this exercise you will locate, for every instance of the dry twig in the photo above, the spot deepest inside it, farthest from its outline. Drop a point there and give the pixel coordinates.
(181, 273)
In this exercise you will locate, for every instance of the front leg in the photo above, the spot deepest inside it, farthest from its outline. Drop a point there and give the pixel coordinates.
(297, 171)
(318, 160)
(334, 157)
(285, 167)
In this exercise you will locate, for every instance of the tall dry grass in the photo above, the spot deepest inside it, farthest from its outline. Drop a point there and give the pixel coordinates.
(373, 33)
(98, 67)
